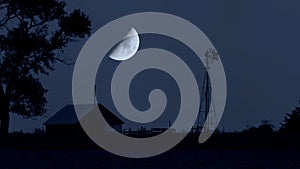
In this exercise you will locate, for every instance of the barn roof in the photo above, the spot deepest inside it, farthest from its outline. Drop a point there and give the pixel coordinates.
(67, 115)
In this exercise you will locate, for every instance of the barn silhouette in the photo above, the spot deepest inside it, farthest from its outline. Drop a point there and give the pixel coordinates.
(66, 122)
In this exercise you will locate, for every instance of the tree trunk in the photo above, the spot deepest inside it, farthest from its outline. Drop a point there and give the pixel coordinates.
(4, 113)
(4, 122)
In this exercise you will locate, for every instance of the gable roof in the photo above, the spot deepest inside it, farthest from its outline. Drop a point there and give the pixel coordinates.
(67, 115)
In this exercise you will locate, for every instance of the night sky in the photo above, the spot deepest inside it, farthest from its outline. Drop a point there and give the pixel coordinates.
(258, 43)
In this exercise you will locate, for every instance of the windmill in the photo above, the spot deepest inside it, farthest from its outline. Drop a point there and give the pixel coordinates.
(207, 102)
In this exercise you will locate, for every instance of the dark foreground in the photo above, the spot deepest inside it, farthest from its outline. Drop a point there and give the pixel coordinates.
(186, 159)
(235, 150)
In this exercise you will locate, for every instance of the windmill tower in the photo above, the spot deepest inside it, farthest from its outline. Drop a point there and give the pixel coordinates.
(206, 100)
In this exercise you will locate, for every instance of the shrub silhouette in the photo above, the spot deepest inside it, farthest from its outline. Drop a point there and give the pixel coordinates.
(264, 128)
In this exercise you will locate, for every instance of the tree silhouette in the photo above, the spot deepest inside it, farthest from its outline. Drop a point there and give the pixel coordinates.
(33, 35)
(291, 123)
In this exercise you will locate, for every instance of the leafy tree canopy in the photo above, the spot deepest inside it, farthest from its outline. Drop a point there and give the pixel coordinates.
(33, 35)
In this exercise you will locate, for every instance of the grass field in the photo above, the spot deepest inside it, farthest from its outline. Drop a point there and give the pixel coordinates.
(185, 159)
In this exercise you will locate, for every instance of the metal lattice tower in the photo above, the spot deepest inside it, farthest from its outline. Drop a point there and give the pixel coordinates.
(206, 100)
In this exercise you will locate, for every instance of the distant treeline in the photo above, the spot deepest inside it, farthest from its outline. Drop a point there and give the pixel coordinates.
(290, 125)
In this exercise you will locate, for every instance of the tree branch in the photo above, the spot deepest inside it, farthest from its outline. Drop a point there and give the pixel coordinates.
(4, 6)
(64, 61)
(36, 24)
(4, 22)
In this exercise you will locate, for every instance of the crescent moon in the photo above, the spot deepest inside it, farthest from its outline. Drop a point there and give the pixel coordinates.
(127, 48)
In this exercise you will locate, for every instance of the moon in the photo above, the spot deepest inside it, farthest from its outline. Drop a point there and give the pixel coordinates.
(127, 48)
